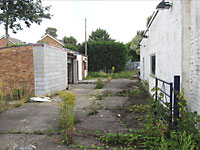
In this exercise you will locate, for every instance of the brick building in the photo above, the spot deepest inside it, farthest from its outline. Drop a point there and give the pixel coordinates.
(77, 63)
(12, 41)
(51, 40)
(41, 67)
(44, 68)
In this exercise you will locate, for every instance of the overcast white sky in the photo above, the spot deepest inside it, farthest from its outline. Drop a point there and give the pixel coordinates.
(120, 18)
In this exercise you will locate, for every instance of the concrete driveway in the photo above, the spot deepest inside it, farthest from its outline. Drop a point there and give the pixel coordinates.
(28, 127)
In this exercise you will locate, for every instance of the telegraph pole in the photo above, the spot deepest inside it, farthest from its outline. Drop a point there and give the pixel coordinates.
(85, 38)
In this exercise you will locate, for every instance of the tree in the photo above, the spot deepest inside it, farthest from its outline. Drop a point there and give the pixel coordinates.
(103, 55)
(99, 34)
(149, 19)
(51, 31)
(135, 43)
(133, 56)
(70, 43)
(27, 11)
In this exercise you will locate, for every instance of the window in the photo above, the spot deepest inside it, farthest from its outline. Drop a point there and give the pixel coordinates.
(153, 64)
(84, 65)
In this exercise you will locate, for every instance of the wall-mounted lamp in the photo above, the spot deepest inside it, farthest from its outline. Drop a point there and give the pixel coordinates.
(164, 5)
(144, 36)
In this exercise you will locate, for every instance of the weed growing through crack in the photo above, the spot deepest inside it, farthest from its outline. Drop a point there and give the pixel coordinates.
(66, 114)
(107, 102)
(99, 84)
(3, 100)
(18, 94)
(93, 108)
(51, 132)
(97, 96)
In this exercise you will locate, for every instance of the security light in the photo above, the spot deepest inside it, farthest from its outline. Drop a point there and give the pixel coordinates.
(145, 36)
(164, 5)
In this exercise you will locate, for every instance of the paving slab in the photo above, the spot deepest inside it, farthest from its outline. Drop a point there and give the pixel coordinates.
(103, 121)
(30, 117)
(117, 85)
(113, 102)
(29, 142)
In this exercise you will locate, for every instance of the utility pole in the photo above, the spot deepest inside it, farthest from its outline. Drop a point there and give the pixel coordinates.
(85, 38)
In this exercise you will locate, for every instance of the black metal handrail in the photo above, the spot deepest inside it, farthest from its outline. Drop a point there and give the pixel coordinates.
(173, 96)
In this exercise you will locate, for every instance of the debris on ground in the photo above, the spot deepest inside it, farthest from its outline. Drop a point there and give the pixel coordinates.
(40, 99)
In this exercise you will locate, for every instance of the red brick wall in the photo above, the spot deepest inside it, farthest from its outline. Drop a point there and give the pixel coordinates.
(17, 67)
(50, 41)
(3, 42)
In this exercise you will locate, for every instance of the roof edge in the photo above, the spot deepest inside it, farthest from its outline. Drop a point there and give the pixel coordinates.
(51, 38)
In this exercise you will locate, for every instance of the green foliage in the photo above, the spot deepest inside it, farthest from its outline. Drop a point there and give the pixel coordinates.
(98, 96)
(135, 43)
(178, 140)
(99, 34)
(99, 84)
(122, 74)
(51, 31)
(16, 45)
(19, 92)
(12, 13)
(70, 43)
(155, 133)
(149, 19)
(107, 102)
(3, 100)
(133, 56)
(103, 55)
(66, 114)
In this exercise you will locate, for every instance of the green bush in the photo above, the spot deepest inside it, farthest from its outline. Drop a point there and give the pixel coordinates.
(103, 55)
(99, 84)
(66, 114)
(122, 74)
(156, 133)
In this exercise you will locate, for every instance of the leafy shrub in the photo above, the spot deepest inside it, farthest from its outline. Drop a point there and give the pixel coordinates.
(66, 114)
(3, 101)
(156, 133)
(103, 55)
(99, 84)
(122, 74)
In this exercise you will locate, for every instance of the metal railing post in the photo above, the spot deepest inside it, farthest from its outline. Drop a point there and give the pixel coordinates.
(171, 111)
(156, 94)
(176, 93)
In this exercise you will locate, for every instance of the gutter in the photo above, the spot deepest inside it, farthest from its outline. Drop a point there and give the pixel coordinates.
(149, 25)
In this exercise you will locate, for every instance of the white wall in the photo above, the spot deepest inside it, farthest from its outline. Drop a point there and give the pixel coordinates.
(174, 37)
(80, 63)
(50, 69)
(85, 71)
(165, 41)
(195, 57)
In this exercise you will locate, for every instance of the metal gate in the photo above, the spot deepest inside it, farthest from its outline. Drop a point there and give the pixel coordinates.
(166, 93)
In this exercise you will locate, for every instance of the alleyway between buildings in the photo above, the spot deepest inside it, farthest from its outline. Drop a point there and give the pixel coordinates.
(97, 111)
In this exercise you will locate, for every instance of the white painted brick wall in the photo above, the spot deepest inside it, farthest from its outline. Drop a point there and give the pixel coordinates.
(165, 35)
(50, 70)
(174, 37)
(195, 57)
(79, 58)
